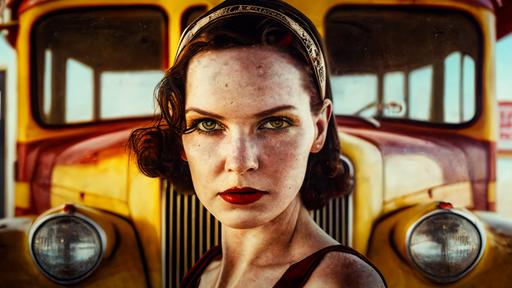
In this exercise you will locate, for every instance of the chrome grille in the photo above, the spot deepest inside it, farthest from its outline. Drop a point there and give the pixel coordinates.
(191, 230)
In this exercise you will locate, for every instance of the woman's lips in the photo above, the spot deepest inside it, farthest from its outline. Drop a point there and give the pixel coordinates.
(241, 196)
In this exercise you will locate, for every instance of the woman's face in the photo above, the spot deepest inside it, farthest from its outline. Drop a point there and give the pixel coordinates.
(250, 132)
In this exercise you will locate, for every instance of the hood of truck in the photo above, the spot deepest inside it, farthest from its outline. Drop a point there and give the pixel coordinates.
(80, 168)
(419, 166)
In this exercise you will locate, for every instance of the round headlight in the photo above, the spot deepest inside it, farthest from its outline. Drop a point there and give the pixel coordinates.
(67, 247)
(445, 245)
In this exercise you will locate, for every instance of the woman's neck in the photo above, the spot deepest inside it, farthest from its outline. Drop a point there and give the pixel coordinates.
(288, 238)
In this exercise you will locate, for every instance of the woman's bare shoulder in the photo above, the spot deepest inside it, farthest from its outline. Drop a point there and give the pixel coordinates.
(340, 269)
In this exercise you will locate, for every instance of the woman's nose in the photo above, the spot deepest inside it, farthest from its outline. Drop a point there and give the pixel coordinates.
(241, 156)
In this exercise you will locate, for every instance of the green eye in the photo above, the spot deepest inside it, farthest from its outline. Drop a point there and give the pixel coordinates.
(209, 125)
(275, 124)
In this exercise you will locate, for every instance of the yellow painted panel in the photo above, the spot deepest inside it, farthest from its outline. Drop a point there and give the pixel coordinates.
(60, 195)
(407, 173)
(368, 193)
(459, 194)
(491, 192)
(107, 177)
(146, 213)
(22, 195)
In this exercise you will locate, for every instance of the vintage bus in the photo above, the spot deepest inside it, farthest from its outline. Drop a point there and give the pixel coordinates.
(413, 85)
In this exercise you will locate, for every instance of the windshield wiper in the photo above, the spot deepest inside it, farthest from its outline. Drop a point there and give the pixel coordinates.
(380, 107)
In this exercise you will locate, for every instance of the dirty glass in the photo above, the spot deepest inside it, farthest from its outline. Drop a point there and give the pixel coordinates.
(404, 63)
(96, 65)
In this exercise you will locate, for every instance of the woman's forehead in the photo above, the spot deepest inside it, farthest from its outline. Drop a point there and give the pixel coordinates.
(244, 59)
(256, 73)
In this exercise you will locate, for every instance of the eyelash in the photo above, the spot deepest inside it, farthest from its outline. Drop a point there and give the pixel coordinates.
(286, 121)
(194, 126)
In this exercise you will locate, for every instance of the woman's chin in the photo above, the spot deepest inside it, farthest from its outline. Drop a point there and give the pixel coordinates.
(242, 220)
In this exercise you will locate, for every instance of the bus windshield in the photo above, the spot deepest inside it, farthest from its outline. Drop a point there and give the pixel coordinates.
(417, 65)
(97, 64)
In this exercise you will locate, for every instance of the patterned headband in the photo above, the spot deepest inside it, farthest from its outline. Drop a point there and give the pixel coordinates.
(312, 47)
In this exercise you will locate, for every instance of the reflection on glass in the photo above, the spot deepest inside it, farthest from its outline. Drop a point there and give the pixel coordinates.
(128, 93)
(452, 88)
(420, 91)
(79, 92)
(353, 92)
(394, 92)
(459, 94)
(504, 68)
(47, 93)
(468, 85)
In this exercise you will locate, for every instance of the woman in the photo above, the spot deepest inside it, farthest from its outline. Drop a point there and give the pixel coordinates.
(246, 123)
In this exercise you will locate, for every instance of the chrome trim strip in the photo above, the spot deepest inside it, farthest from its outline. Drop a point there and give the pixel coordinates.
(178, 236)
(165, 230)
(350, 219)
(462, 213)
(99, 230)
(193, 224)
(185, 222)
(201, 234)
(350, 202)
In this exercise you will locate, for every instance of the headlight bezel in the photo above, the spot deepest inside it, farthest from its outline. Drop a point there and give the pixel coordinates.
(98, 229)
(465, 215)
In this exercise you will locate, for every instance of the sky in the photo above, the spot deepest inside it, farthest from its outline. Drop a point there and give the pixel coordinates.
(504, 69)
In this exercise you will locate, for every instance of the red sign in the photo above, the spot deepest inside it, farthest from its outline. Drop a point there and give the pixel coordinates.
(505, 114)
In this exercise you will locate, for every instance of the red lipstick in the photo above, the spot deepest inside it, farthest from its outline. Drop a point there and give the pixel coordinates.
(241, 196)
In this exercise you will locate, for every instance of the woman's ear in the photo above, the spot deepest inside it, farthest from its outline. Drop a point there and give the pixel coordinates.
(321, 124)
(183, 155)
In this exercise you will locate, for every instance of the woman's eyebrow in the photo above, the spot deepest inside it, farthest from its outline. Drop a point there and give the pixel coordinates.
(274, 110)
(257, 115)
(205, 113)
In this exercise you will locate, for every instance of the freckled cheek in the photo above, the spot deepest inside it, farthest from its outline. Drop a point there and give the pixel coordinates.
(284, 153)
(200, 154)
(284, 165)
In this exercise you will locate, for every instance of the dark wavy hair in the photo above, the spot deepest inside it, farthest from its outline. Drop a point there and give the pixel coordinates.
(159, 148)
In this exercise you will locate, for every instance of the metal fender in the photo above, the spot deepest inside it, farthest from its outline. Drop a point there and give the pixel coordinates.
(120, 263)
(438, 245)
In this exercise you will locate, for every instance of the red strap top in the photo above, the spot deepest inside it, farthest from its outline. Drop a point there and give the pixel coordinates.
(295, 276)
